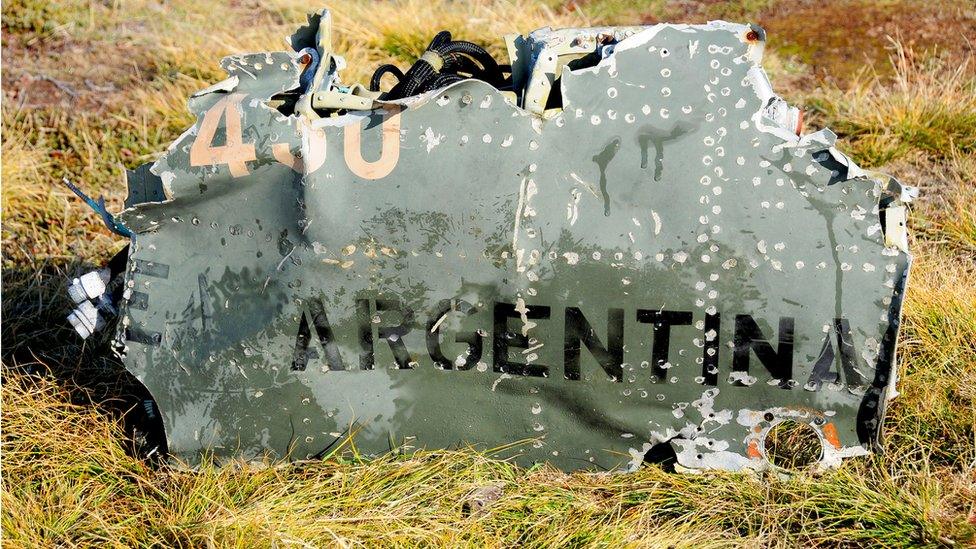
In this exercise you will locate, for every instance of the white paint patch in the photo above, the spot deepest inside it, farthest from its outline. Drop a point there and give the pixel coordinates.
(657, 222)
(523, 311)
(742, 378)
(431, 139)
(499, 380)
(518, 223)
(572, 208)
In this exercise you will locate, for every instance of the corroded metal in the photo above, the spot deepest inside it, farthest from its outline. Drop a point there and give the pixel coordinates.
(656, 257)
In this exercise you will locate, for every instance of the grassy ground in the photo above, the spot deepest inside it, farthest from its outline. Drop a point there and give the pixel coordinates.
(91, 87)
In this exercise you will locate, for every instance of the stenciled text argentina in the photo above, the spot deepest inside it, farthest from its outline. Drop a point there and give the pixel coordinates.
(513, 328)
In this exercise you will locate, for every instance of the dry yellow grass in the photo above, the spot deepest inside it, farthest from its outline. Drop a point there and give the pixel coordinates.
(67, 479)
(929, 106)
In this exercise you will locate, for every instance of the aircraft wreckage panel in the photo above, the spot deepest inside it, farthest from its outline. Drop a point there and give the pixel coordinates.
(658, 262)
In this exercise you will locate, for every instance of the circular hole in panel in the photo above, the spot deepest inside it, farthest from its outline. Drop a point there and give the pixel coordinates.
(793, 445)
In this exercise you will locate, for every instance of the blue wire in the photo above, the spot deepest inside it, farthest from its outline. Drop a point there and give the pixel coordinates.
(113, 224)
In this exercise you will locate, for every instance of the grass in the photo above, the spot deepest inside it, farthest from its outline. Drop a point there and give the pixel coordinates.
(927, 107)
(92, 87)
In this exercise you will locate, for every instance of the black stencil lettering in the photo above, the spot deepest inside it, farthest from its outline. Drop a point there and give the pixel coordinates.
(710, 353)
(823, 367)
(393, 334)
(473, 339)
(503, 339)
(578, 330)
(366, 354)
(323, 330)
(662, 321)
(848, 358)
(748, 337)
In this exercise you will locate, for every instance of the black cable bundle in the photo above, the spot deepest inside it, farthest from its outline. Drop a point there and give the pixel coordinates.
(458, 60)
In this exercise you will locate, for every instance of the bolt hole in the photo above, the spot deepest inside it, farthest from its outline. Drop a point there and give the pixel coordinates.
(793, 445)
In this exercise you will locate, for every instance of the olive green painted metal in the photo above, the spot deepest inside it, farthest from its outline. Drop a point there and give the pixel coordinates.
(652, 256)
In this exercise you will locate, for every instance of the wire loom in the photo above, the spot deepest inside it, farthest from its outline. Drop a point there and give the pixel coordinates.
(445, 62)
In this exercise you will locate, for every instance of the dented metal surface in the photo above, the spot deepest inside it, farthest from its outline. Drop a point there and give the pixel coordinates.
(654, 257)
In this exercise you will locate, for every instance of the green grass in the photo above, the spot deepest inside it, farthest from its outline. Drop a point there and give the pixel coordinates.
(68, 479)
(929, 107)
(419, 499)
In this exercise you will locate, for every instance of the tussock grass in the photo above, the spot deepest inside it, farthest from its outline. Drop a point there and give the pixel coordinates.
(949, 216)
(937, 406)
(68, 479)
(929, 106)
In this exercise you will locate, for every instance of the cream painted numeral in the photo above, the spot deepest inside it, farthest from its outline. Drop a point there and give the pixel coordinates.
(234, 152)
(389, 155)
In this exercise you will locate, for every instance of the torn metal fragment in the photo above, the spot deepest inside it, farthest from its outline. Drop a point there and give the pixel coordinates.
(618, 245)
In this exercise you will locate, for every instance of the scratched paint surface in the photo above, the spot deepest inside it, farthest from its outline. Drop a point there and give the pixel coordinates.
(655, 263)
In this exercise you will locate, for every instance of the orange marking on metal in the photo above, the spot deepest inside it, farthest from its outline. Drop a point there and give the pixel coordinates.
(234, 152)
(315, 148)
(283, 154)
(830, 433)
(752, 450)
(389, 156)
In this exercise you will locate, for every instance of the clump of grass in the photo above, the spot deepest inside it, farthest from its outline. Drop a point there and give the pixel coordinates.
(928, 106)
(946, 213)
(41, 17)
(937, 405)
(68, 481)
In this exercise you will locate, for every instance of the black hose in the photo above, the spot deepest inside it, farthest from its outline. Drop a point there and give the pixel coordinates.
(414, 80)
(477, 52)
(439, 40)
(374, 82)
(457, 64)
(445, 80)
(460, 60)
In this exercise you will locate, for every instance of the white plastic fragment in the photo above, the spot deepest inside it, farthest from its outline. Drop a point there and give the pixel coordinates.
(86, 320)
(88, 286)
